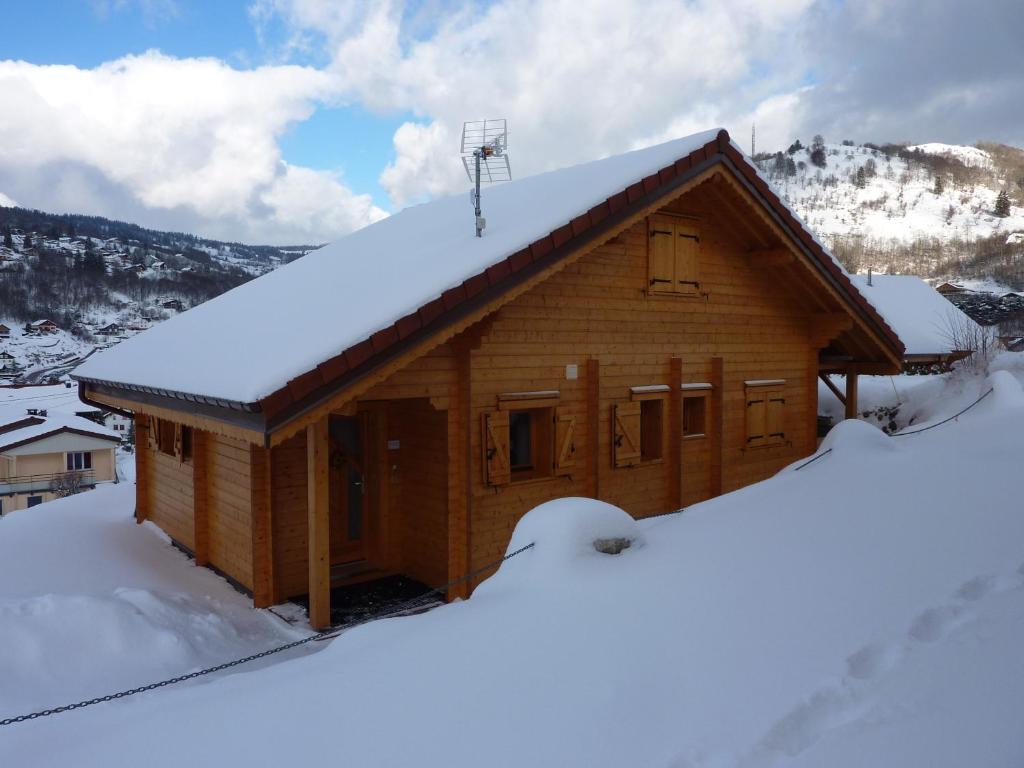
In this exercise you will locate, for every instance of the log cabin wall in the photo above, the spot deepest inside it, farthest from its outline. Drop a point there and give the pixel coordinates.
(600, 308)
(289, 522)
(165, 489)
(229, 507)
(418, 471)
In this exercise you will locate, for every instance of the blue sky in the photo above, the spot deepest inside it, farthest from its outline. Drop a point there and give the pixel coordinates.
(233, 132)
(348, 140)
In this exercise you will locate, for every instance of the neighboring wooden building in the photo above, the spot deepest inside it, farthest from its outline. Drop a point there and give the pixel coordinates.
(45, 456)
(647, 329)
(5, 331)
(948, 289)
(42, 326)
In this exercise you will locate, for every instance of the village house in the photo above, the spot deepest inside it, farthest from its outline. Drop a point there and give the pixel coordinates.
(5, 331)
(42, 327)
(647, 329)
(43, 456)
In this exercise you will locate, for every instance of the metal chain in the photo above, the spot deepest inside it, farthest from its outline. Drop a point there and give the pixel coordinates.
(326, 634)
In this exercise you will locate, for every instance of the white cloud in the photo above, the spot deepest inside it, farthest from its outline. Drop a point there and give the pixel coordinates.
(576, 80)
(189, 141)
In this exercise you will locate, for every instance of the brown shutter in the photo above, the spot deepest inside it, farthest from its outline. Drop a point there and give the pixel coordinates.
(497, 469)
(775, 412)
(661, 250)
(757, 417)
(177, 443)
(626, 434)
(687, 242)
(565, 442)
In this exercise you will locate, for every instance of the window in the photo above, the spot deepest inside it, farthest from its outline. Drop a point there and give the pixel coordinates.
(529, 443)
(673, 255)
(694, 415)
(638, 426)
(79, 460)
(651, 412)
(35, 501)
(186, 443)
(524, 443)
(166, 437)
(766, 403)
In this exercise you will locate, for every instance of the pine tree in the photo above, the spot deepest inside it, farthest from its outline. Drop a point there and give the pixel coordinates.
(1002, 204)
(27, 243)
(939, 185)
(860, 181)
(818, 151)
(8, 240)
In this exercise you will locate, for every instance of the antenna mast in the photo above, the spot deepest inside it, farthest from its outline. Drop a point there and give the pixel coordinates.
(485, 148)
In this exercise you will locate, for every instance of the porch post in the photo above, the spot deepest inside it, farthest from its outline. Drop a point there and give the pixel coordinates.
(675, 434)
(317, 475)
(142, 460)
(263, 593)
(851, 392)
(459, 477)
(717, 436)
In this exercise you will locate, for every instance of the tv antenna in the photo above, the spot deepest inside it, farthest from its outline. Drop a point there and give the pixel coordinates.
(485, 158)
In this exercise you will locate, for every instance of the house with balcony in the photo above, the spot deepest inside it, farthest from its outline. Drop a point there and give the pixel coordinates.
(44, 456)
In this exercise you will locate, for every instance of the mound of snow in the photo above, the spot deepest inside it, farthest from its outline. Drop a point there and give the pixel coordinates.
(853, 436)
(565, 533)
(1006, 391)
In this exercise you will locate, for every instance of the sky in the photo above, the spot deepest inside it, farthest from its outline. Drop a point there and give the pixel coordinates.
(299, 121)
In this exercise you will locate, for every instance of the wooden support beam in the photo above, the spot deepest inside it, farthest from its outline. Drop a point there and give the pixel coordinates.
(593, 383)
(840, 395)
(201, 495)
(771, 258)
(263, 593)
(459, 470)
(851, 392)
(318, 499)
(142, 460)
(717, 436)
(675, 434)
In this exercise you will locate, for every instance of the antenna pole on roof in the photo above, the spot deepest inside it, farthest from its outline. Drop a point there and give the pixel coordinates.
(486, 141)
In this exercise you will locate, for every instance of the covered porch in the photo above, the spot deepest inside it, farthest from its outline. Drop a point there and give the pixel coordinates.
(368, 494)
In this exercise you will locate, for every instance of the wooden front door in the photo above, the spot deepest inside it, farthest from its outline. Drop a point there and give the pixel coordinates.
(348, 489)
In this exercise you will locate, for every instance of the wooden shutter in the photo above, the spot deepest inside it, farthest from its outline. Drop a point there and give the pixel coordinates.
(177, 443)
(661, 249)
(626, 434)
(153, 438)
(775, 411)
(687, 248)
(497, 468)
(757, 417)
(565, 442)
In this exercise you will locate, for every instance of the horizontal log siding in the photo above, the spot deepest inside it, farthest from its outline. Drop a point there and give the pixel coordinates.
(420, 488)
(170, 494)
(230, 508)
(288, 491)
(599, 307)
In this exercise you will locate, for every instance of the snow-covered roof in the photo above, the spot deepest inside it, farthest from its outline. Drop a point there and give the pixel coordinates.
(40, 426)
(365, 283)
(923, 317)
(362, 283)
(52, 398)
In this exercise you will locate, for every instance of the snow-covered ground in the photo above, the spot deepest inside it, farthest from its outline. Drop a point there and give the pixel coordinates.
(867, 609)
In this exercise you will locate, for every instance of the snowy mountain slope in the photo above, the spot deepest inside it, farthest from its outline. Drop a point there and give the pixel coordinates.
(783, 624)
(913, 208)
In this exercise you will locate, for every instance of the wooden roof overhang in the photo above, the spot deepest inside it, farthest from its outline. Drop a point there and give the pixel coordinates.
(357, 368)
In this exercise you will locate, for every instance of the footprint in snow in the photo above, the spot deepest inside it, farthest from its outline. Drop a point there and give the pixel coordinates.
(872, 660)
(932, 624)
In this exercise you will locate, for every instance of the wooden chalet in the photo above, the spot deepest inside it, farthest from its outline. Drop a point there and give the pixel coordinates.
(646, 329)
(5, 331)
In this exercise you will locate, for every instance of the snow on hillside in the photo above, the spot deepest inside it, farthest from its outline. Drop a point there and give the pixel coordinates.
(6, 202)
(866, 609)
(971, 156)
(898, 201)
(40, 356)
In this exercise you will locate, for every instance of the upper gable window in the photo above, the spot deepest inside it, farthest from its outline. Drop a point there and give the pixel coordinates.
(673, 248)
